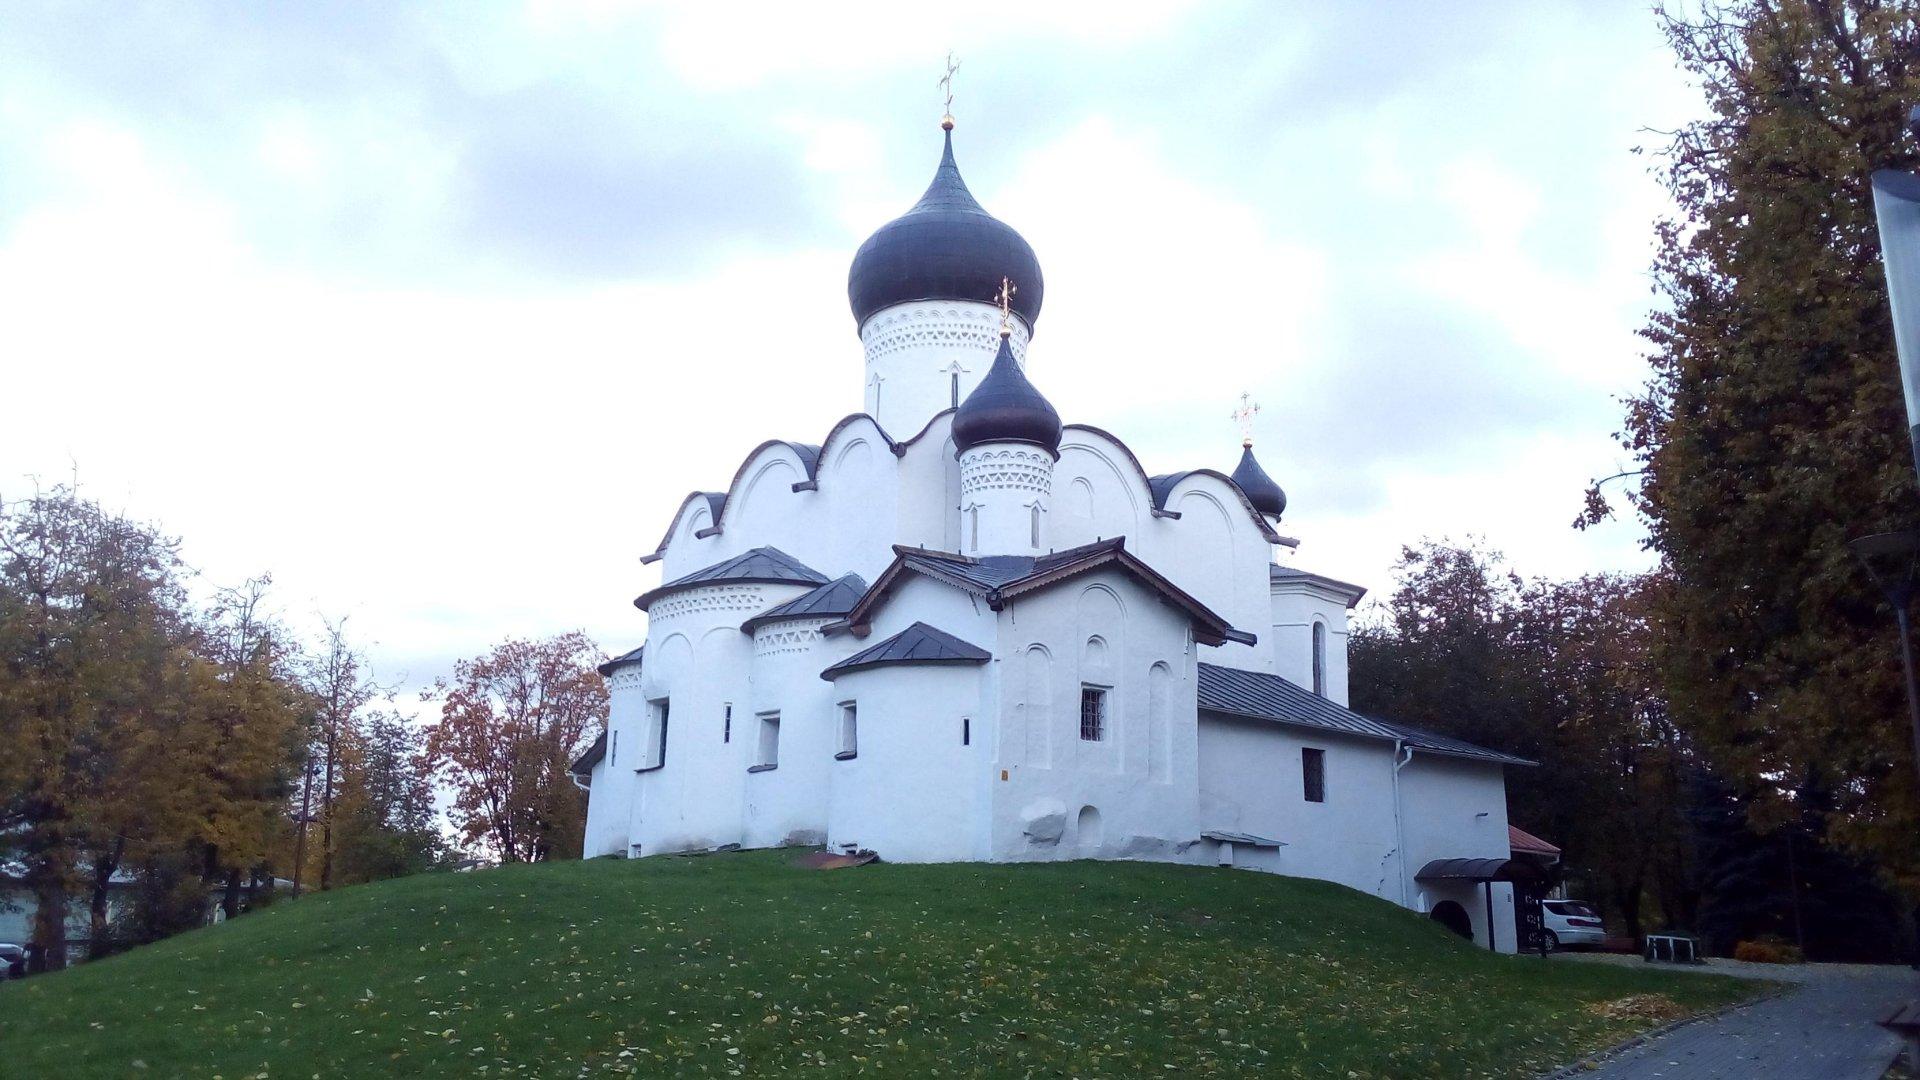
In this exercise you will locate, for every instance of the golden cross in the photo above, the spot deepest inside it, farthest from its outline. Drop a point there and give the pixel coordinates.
(946, 83)
(1005, 300)
(1244, 417)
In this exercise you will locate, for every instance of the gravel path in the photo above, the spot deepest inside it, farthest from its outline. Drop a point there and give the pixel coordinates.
(1822, 1030)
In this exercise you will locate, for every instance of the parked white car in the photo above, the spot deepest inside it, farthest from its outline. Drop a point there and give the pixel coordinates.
(1572, 923)
(13, 960)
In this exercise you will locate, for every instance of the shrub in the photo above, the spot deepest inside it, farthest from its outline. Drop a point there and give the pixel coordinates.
(1767, 950)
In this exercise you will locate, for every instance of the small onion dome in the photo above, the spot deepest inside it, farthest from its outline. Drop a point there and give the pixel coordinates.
(1006, 408)
(945, 248)
(1261, 491)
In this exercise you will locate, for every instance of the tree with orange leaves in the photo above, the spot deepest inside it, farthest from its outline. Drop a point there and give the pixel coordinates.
(510, 723)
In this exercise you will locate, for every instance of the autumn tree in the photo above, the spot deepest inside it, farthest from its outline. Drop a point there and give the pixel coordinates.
(1772, 431)
(387, 822)
(510, 723)
(93, 628)
(340, 688)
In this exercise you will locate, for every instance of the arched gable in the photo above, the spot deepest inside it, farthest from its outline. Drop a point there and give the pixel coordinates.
(706, 505)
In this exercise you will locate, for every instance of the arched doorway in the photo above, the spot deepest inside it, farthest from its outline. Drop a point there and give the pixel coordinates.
(1454, 917)
(1089, 833)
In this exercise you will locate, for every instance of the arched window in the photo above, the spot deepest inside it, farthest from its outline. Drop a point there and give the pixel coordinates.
(1320, 658)
(1035, 508)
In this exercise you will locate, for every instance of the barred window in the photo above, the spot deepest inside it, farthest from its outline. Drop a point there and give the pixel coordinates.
(1093, 713)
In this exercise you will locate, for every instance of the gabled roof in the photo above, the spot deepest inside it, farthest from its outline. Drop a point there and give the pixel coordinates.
(999, 578)
(763, 564)
(1257, 695)
(1277, 573)
(917, 644)
(634, 657)
(831, 600)
(583, 765)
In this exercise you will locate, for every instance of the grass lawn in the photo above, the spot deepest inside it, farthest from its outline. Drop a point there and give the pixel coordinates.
(742, 964)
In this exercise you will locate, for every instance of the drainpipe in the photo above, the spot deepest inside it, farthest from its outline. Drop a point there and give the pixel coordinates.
(1402, 753)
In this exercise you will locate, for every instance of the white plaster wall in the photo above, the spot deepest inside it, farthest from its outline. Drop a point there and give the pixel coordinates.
(611, 791)
(914, 793)
(1142, 778)
(1295, 607)
(1250, 781)
(1213, 550)
(1445, 798)
(1002, 487)
(698, 659)
(788, 805)
(914, 350)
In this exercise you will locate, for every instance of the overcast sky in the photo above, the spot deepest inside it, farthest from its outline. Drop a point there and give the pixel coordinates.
(437, 312)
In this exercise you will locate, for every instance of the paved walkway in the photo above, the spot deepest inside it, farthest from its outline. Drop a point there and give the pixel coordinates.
(1824, 1030)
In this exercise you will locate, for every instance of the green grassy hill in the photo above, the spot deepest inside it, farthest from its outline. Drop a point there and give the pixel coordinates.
(742, 964)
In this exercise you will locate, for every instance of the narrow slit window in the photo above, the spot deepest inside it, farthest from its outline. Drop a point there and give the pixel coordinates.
(955, 376)
(849, 731)
(966, 731)
(1035, 509)
(613, 750)
(1313, 774)
(1320, 658)
(726, 723)
(973, 526)
(1093, 713)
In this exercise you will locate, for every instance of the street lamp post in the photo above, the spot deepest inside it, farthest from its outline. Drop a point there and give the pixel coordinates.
(1893, 561)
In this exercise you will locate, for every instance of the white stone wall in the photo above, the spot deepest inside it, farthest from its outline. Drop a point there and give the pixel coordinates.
(1297, 607)
(1140, 779)
(914, 792)
(919, 352)
(1457, 809)
(1006, 495)
(788, 805)
(1250, 781)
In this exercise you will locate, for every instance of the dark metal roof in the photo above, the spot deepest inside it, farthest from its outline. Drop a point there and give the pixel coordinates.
(945, 248)
(633, 657)
(1436, 743)
(766, 564)
(833, 599)
(583, 765)
(1276, 572)
(1005, 407)
(917, 644)
(1261, 696)
(1262, 492)
(1479, 870)
(1258, 695)
(1000, 578)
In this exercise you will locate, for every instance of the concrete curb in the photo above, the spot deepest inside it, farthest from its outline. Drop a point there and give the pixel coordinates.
(1595, 1060)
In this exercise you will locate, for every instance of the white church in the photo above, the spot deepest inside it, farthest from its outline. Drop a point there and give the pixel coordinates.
(956, 629)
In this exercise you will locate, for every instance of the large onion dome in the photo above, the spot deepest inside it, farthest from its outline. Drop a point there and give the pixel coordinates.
(1006, 408)
(1261, 491)
(945, 248)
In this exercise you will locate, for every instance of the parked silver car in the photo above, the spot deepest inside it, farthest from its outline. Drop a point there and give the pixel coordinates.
(1572, 923)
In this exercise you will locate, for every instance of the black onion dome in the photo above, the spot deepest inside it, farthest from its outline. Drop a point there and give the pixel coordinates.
(945, 248)
(1261, 491)
(1006, 408)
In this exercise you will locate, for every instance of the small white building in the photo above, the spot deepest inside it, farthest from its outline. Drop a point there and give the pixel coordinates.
(957, 629)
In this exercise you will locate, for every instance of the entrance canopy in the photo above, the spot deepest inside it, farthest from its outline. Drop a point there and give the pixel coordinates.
(1479, 870)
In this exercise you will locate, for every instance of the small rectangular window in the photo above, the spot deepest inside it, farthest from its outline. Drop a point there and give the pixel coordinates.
(768, 751)
(849, 731)
(613, 751)
(726, 723)
(1313, 774)
(1093, 713)
(966, 731)
(653, 752)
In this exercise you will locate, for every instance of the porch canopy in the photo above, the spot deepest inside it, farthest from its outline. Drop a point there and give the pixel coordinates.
(1479, 870)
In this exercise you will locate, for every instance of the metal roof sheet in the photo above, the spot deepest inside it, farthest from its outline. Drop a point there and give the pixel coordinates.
(1262, 696)
(583, 765)
(766, 564)
(833, 599)
(917, 644)
(632, 657)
